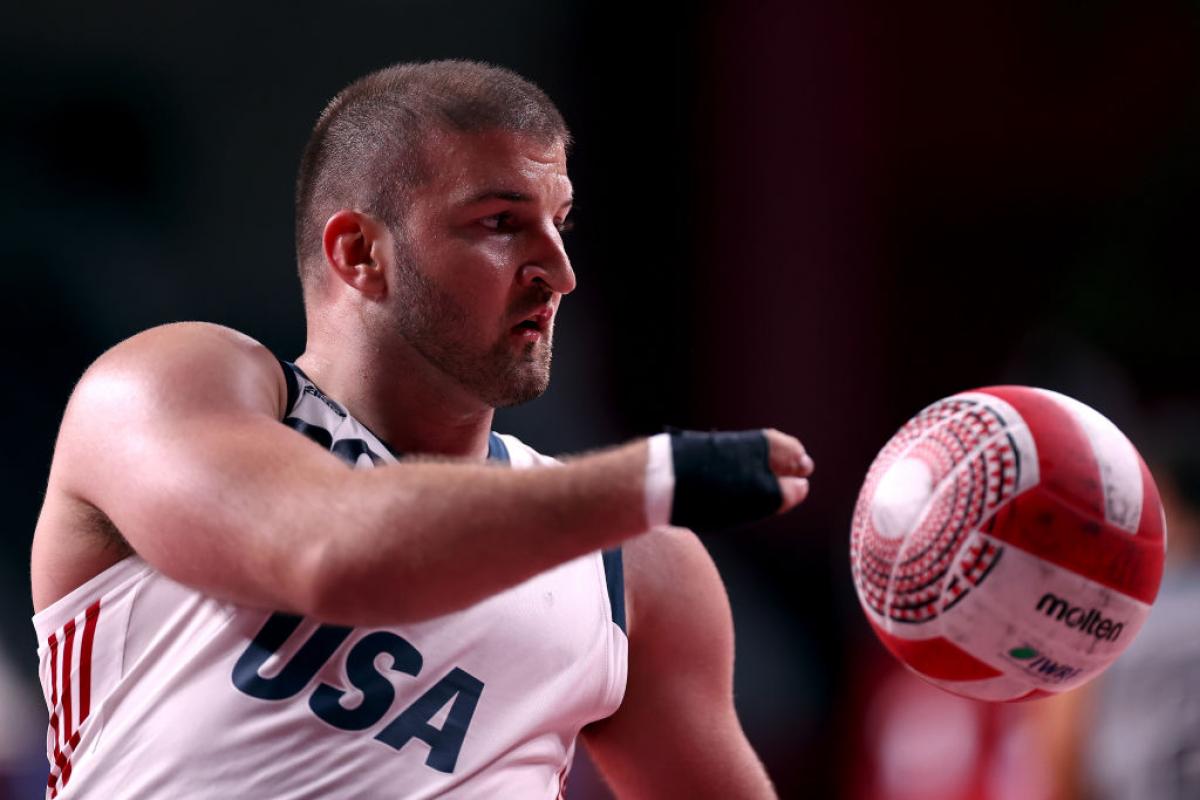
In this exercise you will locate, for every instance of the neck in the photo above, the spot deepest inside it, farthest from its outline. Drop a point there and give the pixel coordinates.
(414, 407)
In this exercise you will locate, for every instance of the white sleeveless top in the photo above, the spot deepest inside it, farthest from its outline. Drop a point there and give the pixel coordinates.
(156, 690)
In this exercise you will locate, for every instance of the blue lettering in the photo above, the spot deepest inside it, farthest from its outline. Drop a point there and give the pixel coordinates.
(378, 693)
(413, 722)
(377, 690)
(1054, 669)
(296, 674)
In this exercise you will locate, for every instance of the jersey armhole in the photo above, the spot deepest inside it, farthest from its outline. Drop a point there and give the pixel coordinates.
(614, 579)
(293, 387)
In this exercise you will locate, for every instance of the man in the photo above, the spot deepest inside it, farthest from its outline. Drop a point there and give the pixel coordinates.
(225, 610)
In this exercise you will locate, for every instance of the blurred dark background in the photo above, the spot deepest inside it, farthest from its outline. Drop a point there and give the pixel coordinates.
(819, 217)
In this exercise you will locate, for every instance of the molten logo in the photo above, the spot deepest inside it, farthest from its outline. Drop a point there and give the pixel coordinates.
(1090, 621)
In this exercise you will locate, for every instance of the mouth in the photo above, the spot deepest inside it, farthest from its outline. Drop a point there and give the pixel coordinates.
(536, 325)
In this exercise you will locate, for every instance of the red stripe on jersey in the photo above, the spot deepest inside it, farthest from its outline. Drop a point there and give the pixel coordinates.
(55, 758)
(68, 646)
(1062, 519)
(63, 762)
(85, 660)
(52, 643)
(52, 780)
(66, 739)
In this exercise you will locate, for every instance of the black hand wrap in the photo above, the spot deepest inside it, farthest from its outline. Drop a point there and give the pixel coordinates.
(722, 479)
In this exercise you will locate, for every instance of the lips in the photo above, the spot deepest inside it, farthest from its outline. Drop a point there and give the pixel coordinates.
(536, 322)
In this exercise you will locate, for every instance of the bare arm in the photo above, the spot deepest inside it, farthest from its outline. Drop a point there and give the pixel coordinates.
(676, 733)
(174, 437)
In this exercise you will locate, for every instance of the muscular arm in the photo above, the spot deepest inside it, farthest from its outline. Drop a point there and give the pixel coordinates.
(676, 733)
(174, 437)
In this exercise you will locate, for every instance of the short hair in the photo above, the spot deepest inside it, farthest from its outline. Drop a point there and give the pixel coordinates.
(366, 150)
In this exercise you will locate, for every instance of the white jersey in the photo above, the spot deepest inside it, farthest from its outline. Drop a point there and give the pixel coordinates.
(156, 690)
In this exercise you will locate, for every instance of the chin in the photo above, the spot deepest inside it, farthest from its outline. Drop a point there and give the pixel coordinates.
(522, 391)
(525, 380)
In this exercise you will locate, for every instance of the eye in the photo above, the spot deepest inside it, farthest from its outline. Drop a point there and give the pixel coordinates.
(504, 222)
(565, 225)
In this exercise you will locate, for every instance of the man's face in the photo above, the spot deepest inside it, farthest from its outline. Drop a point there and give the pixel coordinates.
(481, 267)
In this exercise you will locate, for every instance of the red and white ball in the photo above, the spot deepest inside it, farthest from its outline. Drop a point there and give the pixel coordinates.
(1007, 543)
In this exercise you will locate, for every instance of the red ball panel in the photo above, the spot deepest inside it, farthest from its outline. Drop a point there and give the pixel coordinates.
(937, 657)
(1062, 519)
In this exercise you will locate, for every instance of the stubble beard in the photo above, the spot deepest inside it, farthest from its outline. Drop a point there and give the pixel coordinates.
(432, 320)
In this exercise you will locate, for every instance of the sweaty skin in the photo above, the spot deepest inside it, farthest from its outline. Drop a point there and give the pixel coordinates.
(171, 447)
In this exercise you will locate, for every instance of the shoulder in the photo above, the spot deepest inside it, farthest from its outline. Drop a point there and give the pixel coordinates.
(198, 347)
(152, 383)
(183, 362)
(135, 396)
(676, 598)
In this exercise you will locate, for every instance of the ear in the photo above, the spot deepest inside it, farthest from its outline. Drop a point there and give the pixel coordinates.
(357, 248)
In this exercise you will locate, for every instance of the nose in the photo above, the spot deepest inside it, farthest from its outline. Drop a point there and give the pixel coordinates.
(548, 264)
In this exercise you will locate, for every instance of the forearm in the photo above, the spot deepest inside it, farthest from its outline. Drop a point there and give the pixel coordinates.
(259, 517)
(419, 540)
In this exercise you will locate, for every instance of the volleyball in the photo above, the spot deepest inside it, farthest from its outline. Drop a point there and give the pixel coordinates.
(1007, 543)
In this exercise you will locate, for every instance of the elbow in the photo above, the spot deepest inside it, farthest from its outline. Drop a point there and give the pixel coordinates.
(323, 588)
(316, 583)
(332, 588)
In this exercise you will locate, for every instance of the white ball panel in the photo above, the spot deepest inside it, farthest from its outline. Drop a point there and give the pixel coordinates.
(1047, 625)
(901, 497)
